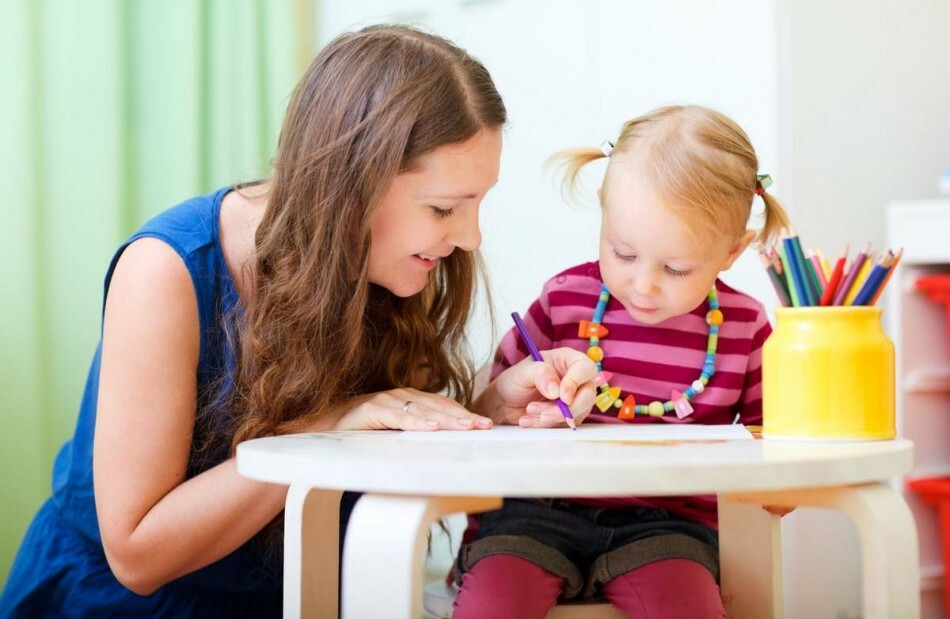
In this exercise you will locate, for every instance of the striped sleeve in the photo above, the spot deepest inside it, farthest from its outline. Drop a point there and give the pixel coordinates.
(511, 350)
(751, 400)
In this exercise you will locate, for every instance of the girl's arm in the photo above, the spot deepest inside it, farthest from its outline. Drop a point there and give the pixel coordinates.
(156, 526)
(523, 393)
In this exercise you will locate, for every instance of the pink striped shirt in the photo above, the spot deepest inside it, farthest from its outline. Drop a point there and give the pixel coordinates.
(649, 361)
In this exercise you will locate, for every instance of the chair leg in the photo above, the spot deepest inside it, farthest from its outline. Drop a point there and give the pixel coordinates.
(384, 553)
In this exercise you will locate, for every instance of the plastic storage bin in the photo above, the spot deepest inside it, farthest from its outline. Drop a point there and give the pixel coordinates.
(937, 287)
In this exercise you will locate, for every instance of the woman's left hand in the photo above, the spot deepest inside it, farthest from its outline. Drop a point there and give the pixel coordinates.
(525, 393)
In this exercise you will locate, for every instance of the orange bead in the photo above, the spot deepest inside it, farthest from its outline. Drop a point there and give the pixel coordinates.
(596, 353)
(714, 317)
(627, 410)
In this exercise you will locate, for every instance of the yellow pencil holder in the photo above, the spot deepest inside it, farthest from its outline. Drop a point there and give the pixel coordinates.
(828, 373)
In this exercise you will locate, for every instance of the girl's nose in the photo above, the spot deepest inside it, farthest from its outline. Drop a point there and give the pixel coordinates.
(645, 282)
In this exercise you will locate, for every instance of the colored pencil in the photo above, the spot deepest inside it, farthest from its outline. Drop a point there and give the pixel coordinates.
(808, 278)
(860, 279)
(825, 266)
(789, 282)
(536, 355)
(795, 272)
(777, 282)
(835, 279)
(819, 271)
(874, 280)
(887, 276)
(845, 286)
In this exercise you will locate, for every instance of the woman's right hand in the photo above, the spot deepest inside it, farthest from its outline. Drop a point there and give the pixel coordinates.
(410, 409)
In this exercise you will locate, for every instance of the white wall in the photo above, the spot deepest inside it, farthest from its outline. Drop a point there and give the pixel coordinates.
(570, 74)
(865, 119)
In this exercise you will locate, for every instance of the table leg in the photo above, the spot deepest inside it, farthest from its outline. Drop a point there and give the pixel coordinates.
(311, 552)
(888, 536)
(750, 560)
(385, 549)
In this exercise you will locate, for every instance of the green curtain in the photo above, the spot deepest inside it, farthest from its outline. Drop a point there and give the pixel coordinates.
(111, 111)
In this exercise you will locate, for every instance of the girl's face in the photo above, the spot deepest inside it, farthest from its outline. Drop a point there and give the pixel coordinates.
(648, 258)
(430, 211)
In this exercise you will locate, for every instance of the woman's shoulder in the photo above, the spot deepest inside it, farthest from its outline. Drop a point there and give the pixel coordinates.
(190, 221)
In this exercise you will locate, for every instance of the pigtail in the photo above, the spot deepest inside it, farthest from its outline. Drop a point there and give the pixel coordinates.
(775, 219)
(569, 163)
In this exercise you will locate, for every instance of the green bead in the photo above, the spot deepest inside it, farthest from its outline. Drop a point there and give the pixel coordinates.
(655, 409)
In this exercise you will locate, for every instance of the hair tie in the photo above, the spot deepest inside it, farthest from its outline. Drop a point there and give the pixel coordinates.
(607, 147)
(762, 182)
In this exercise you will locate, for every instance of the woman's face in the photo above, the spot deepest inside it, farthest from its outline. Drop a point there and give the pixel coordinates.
(430, 211)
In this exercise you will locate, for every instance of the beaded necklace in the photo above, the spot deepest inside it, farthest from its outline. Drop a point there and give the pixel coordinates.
(679, 401)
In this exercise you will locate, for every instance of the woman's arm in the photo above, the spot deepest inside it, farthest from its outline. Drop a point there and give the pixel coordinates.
(156, 526)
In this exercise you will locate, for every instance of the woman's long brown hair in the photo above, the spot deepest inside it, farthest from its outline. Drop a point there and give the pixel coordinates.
(317, 333)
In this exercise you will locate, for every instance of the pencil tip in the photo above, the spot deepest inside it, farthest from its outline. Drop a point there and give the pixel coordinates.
(572, 424)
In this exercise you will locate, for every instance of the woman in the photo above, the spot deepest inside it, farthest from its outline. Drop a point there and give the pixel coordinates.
(333, 296)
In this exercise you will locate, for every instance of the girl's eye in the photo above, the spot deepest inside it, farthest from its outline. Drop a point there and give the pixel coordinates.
(625, 257)
(442, 212)
(675, 273)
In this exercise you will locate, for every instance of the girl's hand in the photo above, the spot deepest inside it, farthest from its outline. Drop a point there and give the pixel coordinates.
(524, 394)
(410, 409)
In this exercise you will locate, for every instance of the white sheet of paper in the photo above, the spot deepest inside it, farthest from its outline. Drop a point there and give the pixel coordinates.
(591, 432)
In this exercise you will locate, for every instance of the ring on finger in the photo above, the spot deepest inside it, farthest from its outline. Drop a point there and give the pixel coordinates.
(405, 407)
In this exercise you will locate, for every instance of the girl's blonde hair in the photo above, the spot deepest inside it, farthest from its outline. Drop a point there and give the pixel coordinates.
(697, 161)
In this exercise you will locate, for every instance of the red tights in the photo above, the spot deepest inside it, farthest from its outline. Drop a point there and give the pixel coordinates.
(503, 586)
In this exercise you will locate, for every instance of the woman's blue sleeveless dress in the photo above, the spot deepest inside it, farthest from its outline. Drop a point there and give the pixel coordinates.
(60, 569)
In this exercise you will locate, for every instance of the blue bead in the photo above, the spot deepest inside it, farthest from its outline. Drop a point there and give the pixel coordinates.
(689, 393)
(709, 369)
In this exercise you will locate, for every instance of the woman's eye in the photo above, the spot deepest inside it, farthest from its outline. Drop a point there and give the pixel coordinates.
(442, 212)
(676, 273)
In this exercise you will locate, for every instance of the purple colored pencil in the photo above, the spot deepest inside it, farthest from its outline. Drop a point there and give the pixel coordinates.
(852, 275)
(536, 355)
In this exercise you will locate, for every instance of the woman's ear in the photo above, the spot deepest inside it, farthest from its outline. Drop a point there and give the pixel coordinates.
(744, 240)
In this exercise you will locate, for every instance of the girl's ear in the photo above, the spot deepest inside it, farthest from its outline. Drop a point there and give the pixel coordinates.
(738, 247)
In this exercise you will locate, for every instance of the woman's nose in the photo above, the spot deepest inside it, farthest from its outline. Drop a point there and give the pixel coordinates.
(466, 235)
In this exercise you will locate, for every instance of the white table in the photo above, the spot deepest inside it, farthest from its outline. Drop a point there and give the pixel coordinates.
(409, 485)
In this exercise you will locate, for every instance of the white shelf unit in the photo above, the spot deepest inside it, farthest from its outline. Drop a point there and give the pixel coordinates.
(918, 327)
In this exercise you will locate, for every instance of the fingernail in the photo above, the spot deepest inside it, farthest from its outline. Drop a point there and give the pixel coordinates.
(567, 395)
(532, 408)
(467, 423)
(553, 389)
(484, 422)
(524, 422)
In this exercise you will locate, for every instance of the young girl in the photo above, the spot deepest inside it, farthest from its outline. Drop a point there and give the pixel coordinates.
(675, 344)
(333, 295)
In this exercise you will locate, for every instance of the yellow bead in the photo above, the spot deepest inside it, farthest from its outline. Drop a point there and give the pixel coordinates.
(655, 409)
(596, 353)
(604, 401)
(714, 317)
